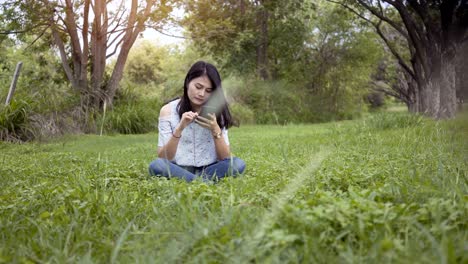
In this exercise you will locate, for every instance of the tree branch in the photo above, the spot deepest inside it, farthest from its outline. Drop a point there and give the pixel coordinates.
(393, 51)
(117, 17)
(85, 53)
(36, 39)
(128, 40)
(380, 33)
(115, 49)
(63, 56)
(421, 10)
(10, 32)
(118, 24)
(379, 88)
(166, 34)
(395, 91)
(383, 17)
(115, 39)
(415, 33)
(75, 41)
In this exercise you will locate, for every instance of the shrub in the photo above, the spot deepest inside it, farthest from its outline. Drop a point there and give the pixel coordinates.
(272, 102)
(282, 102)
(375, 99)
(242, 114)
(14, 122)
(133, 117)
(171, 89)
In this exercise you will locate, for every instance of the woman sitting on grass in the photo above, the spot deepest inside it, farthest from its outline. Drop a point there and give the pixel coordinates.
(193, 138)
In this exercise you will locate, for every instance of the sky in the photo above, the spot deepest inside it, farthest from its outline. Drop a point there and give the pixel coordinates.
(173, 34)
(151, 34)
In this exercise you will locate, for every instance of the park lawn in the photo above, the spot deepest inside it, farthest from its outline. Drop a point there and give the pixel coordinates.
(390, 187)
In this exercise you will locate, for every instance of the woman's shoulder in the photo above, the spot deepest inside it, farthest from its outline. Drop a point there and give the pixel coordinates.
(165, 111)
(168, 108)
(173, 100)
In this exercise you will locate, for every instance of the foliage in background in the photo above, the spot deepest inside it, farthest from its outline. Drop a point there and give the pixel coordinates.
(136, 110)
(281, 102)
(86, 34)
(242, 114)
(41, 82)
(325, 69)
(343, 56)
(166, 67)
(41, 88)
(144, 63)
(320, 70)
(244, 36)
(267, 102)
(154, 74)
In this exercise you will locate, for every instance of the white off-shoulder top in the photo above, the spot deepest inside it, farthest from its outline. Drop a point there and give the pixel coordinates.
(196, 146)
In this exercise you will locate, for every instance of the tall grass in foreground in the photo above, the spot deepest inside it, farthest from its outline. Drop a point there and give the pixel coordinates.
(355, 191)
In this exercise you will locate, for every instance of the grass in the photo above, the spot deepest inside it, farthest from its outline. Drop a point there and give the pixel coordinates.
(379, 189)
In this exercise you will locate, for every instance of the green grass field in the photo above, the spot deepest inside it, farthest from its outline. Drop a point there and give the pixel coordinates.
(389, 188)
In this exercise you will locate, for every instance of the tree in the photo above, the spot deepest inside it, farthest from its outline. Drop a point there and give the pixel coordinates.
(248, 36)
(434, 32)
(341, 55)
(144, 63)
(462, 76)
(86, 34)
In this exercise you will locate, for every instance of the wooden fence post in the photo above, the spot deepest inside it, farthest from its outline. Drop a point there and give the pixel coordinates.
(13, 83)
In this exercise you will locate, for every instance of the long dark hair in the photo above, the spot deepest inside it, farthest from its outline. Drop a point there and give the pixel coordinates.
(217, 98)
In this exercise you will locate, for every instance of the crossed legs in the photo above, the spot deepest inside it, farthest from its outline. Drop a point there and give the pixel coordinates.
(227, 167)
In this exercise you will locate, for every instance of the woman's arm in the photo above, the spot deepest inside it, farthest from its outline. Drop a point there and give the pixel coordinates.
(169, 150)
(222, 149)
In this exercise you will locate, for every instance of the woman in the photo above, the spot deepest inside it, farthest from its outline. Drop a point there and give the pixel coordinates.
(192, 145)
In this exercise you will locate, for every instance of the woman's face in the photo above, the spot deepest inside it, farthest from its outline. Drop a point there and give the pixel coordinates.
(199, 90)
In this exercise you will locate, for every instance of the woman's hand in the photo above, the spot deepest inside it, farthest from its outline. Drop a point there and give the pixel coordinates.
(209, 123)
(187, 118)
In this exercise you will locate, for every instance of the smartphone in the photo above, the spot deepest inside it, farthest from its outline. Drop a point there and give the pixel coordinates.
(207, 110)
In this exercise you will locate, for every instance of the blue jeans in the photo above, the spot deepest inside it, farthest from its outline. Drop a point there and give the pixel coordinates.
(226, 167)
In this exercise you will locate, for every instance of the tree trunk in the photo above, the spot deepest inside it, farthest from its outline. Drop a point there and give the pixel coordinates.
(98, 54)
(434, 30)
(412, 101)
(412, 107)
(129, 38)
(448, 90)
(262, 46)
(429, 96)
(462, 76)
(117, 74)
(437, 91)
(242, 14)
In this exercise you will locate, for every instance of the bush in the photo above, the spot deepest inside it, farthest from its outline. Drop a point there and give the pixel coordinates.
(134, 117)
(271, 102)
(375, 99)
(282, 102)
(14, 122)
(171, 89)
(242, 114)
